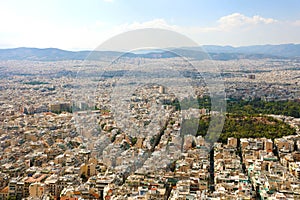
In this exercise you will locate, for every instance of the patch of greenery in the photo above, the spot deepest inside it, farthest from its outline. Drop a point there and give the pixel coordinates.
(242, 126)
(191, 102)
(243, 107)
(133, 140)
(125, 146)
(256, 106)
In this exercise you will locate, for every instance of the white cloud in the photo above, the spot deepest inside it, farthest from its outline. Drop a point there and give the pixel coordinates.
(225, 23)
(234, 29)
(237, 20)
(155, 23)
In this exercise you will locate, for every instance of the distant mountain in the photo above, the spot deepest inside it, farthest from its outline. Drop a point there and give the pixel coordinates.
(199, 53)
(52, 54)
(24, 53)
(281, 50)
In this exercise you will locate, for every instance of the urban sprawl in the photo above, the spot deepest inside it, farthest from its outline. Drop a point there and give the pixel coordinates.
(73, 130)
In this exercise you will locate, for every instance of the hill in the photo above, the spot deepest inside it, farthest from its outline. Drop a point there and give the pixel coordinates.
(281, 50)
(199, 53)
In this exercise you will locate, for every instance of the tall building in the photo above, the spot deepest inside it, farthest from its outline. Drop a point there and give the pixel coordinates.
(60, 107)
(162, 89)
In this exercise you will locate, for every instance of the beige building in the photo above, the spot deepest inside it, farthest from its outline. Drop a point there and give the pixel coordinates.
(88, 169)
(36, 190)
(268, 145)
(162, 89)
(232, 142)
(4, 193)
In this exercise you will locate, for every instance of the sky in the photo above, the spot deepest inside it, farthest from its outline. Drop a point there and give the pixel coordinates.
(85, 24)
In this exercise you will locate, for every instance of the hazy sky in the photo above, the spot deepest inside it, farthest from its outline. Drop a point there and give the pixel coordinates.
(85, 24)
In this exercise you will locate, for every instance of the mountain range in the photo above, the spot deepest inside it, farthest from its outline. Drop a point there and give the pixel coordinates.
(282, 51)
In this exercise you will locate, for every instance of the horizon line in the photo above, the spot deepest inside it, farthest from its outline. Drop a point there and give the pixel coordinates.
(95, 49)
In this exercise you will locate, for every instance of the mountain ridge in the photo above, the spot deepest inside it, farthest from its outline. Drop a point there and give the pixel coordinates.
(215, 52)
(289, 50)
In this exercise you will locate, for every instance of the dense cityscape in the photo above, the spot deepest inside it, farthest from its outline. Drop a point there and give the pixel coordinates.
(149, 100)
(68, 132)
